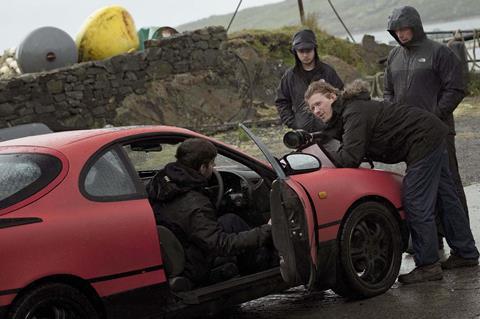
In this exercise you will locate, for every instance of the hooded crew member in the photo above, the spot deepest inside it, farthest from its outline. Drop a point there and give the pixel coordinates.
(422, 72)
(426, 74)
(290, 93)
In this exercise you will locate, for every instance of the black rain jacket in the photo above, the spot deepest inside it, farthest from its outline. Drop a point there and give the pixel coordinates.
(422, 72)
(182, 204)
(290, 101)
(382, 131)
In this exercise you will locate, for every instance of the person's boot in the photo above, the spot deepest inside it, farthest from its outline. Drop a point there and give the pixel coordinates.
(455, 261)
(422, 273)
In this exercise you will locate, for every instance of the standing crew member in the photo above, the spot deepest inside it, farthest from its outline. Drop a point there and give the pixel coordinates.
(308, 68)
(426, 74)
(393, 133)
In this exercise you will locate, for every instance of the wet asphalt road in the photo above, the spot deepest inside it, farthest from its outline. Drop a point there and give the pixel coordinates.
(456, 296)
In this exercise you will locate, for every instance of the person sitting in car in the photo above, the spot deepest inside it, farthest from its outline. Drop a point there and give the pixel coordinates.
(182, 203)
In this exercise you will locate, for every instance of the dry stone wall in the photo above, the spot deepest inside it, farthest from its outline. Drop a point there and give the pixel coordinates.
(94, 94)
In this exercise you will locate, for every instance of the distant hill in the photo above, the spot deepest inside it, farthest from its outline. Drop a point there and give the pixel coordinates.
(358, 15)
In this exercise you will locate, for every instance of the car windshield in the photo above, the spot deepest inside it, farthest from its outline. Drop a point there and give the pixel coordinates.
(22, 175)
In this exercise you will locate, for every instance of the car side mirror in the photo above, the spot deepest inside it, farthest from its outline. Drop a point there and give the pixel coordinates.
(301, 163)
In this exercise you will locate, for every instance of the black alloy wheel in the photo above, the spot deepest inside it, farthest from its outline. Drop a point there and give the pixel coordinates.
(53, 301)
(370, 252)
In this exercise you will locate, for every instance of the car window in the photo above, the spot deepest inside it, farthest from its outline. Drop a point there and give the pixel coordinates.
(224, 162)
(22, 175)
(108, 177)
(155, 160)
(144, 160)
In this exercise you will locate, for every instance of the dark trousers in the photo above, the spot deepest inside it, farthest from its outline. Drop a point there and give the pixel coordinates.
(251, 261)
(232, 223)
(457, 181)
(426, 182)
(453, 165)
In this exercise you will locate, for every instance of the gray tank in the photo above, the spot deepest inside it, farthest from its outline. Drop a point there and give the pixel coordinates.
(44, 49)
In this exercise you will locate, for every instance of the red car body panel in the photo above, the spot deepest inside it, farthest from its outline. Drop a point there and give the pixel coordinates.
(63, 244)
(331, 201)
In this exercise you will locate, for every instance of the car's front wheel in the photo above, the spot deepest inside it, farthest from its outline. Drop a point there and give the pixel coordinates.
(53, 301)
(370, 252)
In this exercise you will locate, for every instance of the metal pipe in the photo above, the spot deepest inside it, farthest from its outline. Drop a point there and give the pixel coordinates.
(234, 14)
(449, 32)
(341, 21)
(302, 13)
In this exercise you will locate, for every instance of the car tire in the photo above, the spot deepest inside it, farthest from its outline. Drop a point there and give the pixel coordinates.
(53, 301)
(370, 252)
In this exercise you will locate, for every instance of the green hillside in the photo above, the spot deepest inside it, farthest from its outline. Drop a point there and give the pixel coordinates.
(358, 15)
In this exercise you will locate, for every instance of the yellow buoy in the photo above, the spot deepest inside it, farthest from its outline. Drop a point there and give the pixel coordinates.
(107, 32)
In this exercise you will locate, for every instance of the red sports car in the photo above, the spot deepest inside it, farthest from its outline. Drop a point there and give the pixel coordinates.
(78, 237)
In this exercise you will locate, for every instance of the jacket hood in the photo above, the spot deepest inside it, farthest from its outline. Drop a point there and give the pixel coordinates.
(406, 17)
(304, 39)
(175, 179)
(358, 89)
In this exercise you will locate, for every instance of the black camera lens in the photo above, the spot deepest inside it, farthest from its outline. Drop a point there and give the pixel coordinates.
(295, 139)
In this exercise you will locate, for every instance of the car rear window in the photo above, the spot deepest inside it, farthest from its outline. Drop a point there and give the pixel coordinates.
(24, 174)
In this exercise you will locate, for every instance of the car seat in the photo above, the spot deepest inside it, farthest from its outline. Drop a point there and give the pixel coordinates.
(173, 256)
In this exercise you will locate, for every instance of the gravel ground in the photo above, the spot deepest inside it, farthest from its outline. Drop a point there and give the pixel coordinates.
(467, 119)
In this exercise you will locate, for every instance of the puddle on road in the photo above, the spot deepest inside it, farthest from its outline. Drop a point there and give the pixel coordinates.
(293, 301)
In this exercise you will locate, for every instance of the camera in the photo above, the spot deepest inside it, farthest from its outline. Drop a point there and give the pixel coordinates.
(298, 138)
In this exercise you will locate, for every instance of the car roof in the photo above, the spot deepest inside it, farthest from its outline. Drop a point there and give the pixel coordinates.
(83, 142)
(59, 140)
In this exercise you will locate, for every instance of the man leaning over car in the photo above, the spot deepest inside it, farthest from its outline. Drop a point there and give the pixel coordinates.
(393, 133)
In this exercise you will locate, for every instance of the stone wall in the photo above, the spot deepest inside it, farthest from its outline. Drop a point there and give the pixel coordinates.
(94, 94)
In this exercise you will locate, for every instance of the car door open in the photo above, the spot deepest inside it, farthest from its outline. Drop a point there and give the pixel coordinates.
(293, 219)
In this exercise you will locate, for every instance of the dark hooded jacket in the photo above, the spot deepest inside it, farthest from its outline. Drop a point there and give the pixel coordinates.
(182, 204)
(290, 93)
(422, 72)
(381, 131)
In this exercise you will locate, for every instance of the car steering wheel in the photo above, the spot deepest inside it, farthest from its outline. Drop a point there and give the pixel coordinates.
(220, 189)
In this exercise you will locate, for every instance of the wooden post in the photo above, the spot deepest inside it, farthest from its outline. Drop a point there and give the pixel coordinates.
(302, 14)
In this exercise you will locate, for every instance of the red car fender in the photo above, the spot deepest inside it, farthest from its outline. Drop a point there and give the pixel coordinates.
(335, 190)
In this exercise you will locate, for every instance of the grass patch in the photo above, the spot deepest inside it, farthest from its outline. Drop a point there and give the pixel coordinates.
(276, 44)
(474, 84)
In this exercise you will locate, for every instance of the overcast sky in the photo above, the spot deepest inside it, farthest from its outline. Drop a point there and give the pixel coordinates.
(20, 17)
